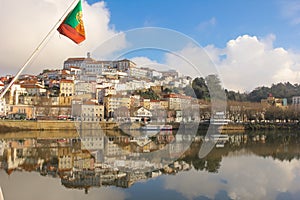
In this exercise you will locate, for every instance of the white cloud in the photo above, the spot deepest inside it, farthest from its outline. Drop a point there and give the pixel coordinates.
(245, 63)
(152, 64)
(251, 62)
(191, 60)
(25, 23)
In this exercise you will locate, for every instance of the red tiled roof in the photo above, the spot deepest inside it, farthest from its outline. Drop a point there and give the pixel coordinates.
(76, 59)
(31, 86)
(66, 81)
(74, 67)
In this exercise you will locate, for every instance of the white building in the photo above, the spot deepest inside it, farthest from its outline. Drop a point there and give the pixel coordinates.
(90, 65)
(138, 73)
(66, 87)
(15, 91)
(92, 111)
(34, 90)
(155, 74)
(85, 88)
(104, 92)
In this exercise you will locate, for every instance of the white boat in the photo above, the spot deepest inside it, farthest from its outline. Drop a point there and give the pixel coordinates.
(153, 127)
(219, 119)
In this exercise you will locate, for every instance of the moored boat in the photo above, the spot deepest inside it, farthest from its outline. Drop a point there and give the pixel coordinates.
(153, 127)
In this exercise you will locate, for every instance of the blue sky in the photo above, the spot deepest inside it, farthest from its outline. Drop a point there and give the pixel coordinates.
(210, 22)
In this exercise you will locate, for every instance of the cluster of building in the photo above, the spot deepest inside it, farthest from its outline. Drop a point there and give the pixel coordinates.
(92, 90)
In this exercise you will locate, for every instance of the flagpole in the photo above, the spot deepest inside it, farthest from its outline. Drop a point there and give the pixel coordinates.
(34, 53)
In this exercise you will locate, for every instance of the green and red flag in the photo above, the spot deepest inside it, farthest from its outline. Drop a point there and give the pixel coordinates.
(72, 26)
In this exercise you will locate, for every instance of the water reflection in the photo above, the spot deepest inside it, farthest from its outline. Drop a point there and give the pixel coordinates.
(260, 165)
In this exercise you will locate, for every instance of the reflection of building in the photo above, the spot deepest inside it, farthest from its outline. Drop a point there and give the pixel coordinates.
(83, 160)
(92, 142)
(2, 146)
(82, 180)
(65, 159)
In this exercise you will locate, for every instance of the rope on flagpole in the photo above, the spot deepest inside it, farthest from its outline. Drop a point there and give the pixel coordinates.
(34, 53)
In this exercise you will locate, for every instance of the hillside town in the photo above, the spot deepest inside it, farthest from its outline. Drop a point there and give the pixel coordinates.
(104, 88)
(97, 91)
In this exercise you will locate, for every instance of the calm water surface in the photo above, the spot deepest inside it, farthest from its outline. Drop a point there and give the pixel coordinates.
(257, 165)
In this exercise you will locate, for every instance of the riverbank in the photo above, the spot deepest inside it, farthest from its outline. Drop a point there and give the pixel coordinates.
(58, 125)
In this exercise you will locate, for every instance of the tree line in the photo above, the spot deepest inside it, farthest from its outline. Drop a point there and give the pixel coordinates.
(199, 89)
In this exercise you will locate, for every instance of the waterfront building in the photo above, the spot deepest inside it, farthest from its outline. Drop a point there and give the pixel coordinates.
(177, 101)
(91, 111)
(113, 102)
(20, 111)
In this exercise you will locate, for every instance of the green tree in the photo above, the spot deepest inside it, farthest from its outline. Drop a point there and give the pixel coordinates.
(200, 88)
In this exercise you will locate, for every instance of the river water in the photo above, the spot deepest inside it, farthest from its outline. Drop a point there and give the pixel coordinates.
(254, 165)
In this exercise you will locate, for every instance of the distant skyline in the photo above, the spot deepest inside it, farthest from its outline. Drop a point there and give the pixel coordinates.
(252, 43)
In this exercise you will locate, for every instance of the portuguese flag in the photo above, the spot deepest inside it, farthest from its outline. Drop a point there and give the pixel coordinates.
(72, 26)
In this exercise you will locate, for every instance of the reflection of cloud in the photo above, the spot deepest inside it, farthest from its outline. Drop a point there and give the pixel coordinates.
(245, 177)
(29, 186)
